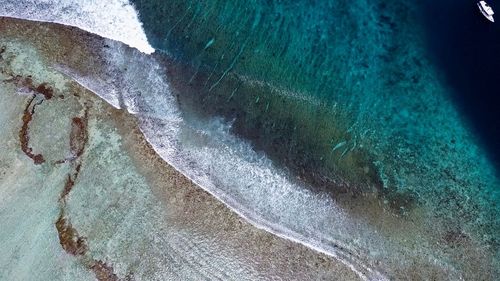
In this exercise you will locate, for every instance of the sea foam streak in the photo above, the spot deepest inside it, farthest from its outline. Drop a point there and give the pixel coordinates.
(114, 19)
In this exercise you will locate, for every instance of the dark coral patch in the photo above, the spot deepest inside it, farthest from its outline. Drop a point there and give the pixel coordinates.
(45, 90)
(24, 138)
(78, 135)
(69, 239)
(103, 272)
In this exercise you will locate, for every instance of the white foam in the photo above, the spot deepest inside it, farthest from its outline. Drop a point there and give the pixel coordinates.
(114, 19)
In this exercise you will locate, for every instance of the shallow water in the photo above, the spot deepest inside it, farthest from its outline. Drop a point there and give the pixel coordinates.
(336, 124)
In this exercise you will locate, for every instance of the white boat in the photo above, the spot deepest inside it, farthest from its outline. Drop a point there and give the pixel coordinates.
(486, 10)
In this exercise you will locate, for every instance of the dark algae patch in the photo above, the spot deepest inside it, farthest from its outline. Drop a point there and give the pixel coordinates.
(103, 272)
(24, 133)
(79, 134)
(28, 113)
(45, 90)
(69, 239)
(68, 185)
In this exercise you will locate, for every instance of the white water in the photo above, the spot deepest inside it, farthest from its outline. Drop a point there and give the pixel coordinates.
(114, 19)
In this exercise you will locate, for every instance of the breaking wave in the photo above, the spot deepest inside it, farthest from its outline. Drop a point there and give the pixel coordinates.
(122, 24)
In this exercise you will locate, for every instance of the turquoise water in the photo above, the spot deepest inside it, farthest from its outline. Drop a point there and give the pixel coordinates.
(347, 96)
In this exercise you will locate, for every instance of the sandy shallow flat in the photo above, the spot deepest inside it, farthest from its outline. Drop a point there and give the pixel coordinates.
(83, 196)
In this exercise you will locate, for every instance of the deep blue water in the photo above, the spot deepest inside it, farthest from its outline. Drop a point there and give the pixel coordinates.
(466, 47)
